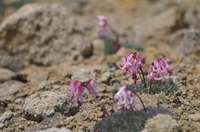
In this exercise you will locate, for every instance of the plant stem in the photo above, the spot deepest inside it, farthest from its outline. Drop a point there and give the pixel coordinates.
(150, 89)
(140, 76)
(140, 100)
(143, 78)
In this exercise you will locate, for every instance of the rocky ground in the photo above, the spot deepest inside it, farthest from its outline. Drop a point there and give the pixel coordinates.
(44, 45)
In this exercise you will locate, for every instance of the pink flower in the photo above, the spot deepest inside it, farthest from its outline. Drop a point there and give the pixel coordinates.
(127, 61)
(132, 62)
(76, 90)
(101, 26)
(166, 66)
(125, 97)
(158, 69)
(90, 85)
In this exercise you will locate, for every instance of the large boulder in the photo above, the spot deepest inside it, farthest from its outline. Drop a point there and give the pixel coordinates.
(151, 30)
(186, 41)
(43, 34)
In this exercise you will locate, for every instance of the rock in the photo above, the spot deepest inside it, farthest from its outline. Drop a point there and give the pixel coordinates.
(9, 88)
(1, 126)
(158, 26)
(43, 105)
(6, 75)
(6, 116)
(187, 42)
(46, 85)
(105, 78)
(9, 62)
(194, 117)
(127, 120)
(83, 75)
(57, 117)
(161, 123)
(41, 77)
(44, 34)
(191, 18)
(55, 130)
(4, 119)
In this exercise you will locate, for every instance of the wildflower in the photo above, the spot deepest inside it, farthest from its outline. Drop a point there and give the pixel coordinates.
(102, 26)
(158, 69)
(166, 66)
(125, 97)
(132, 62)
(90, 85)
(76, 90)
(127, 61)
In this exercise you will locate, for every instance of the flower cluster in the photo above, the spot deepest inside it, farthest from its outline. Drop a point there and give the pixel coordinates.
(125, 97)
(132, 63)
(77, 88)
(102, 26)
(158, 69)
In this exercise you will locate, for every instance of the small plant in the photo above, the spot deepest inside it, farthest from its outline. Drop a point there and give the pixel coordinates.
(129, 119)
(112, 45)
(102, 26)
(132, 64)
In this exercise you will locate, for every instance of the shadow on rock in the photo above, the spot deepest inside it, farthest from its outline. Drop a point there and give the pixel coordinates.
(128, 121)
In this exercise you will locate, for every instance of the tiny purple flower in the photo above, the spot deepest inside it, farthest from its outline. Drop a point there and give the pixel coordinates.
(76, 91)
(125, 97)
(77, 88)
(127, 61)
(102, 25)
(158, 69)
(166, 66)
(132, 62)
(90, 85)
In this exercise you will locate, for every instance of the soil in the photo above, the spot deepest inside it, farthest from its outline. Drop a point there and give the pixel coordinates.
(122, 15)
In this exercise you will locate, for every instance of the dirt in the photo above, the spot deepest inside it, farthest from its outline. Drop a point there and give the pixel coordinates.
(122, 15)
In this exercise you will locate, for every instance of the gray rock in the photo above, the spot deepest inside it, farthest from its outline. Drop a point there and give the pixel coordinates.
(83, 75)
(43, 105)
(6, 74)
(127, 120)
(6, 116)
(55, 130)
(105, 78)
(12, 63)
(161, 123)
(187, 42)
(44, 34)
(1, 126)
(46, 85)
(41, 77)
(9, 88)
(152, 29)
(50, 121)
(191, 18)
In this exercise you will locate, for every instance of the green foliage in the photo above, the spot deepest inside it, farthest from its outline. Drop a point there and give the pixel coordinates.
(156, 87)
(109, 46)
(129, 44)
(128, 121)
